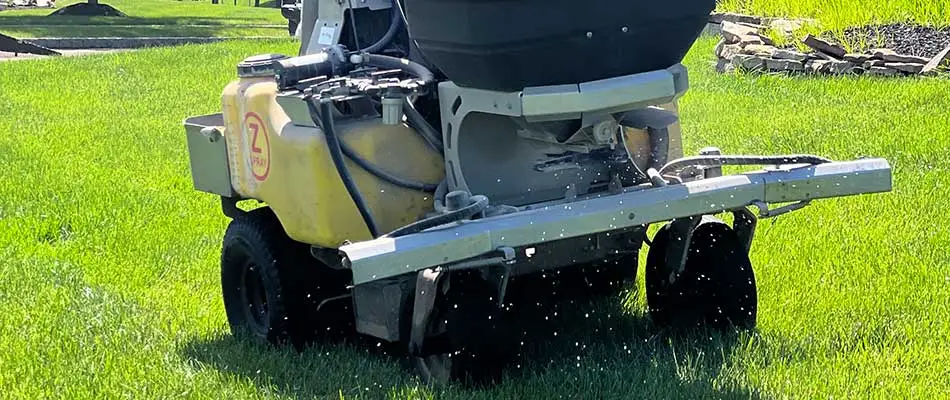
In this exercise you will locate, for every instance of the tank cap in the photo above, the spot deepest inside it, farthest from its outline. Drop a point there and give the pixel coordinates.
(259, 65)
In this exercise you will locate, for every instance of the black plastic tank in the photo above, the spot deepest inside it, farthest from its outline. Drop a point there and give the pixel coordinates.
(512, 44)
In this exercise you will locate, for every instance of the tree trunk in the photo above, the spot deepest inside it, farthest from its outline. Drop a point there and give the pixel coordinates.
(93, 2)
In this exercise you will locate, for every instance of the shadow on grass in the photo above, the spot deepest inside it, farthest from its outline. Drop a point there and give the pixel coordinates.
(141, 31)
(590, 349)
(33, 20)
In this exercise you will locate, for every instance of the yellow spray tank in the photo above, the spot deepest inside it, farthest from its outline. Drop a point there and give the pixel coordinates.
(288, 166)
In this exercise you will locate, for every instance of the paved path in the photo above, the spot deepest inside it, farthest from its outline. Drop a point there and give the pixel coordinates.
(4, 56)
(8, 26)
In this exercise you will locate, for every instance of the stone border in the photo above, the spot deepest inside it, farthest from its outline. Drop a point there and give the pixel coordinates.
(744, 46)
(133, 43)
(714, 26)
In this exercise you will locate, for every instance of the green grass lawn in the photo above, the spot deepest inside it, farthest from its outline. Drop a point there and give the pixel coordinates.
(843, 13)
(834, 16)
(110, 288)
(149, 18)
(60, 31)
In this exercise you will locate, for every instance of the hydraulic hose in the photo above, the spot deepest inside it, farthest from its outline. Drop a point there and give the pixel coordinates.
(659, 146)
(384, 175)
(425, 76)
(431, 136)
(324, 118)
(478, 204)
(741, 160)
(395, 23)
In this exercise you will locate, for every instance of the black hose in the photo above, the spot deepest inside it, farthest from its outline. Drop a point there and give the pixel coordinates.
(410, 67)
(659, 146)
(324, 118)
(742, 160)
(384, 175)
(394, 24)
(431, 136)
(655, 178)
(478, 204)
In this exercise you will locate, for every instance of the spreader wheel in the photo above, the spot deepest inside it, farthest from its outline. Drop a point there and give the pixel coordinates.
(715, 288)
(272, 287)
(471, 346)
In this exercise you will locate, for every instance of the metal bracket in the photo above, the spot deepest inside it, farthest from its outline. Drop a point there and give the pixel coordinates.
(427, 288)
(744, 225)
(765, 212)
(332, 258)
(507, 256)
(681, 234)
(229, 207)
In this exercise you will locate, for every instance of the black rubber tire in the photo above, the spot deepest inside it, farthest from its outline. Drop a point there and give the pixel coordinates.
(716, 288)
(475, 338)
(271, 286)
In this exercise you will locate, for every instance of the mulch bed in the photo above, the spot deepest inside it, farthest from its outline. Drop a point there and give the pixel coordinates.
(916, 40)
(86, 9)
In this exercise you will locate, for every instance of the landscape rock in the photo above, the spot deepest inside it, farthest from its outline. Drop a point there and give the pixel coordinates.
(911, 68)
(784, 65)
(734, 33)
(822, 56)
(881, 53)
(750, 40)
(825, 46)
(882, 71)
(785, 54)
(817, 66)
(902, 58)
(718, 18)
(748, 62)
(840, 67)
(725, 65)
(718, 49)
(760, 50)
(873, 63)
(937, 60)
(857, 58)
(730, 50)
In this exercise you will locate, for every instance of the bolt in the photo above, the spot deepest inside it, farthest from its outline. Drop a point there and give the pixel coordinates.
(457, 200)
(624, 29)
(590, 35)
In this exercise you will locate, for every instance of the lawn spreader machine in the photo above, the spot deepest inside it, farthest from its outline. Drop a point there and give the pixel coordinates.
(419, 158)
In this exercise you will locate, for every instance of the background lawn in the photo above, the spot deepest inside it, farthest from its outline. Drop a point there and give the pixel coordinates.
(835, 14)
(149, 18)
(110, 286)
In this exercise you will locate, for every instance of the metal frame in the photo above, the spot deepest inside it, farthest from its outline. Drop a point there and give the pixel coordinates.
(208, 155)
(550, 103)
(321, 21)
(389, 257)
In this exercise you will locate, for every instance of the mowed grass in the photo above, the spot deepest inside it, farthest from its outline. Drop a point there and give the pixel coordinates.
(844, 13)
(59, 31)
(109, 286)
(149, 18)
(831, 18)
